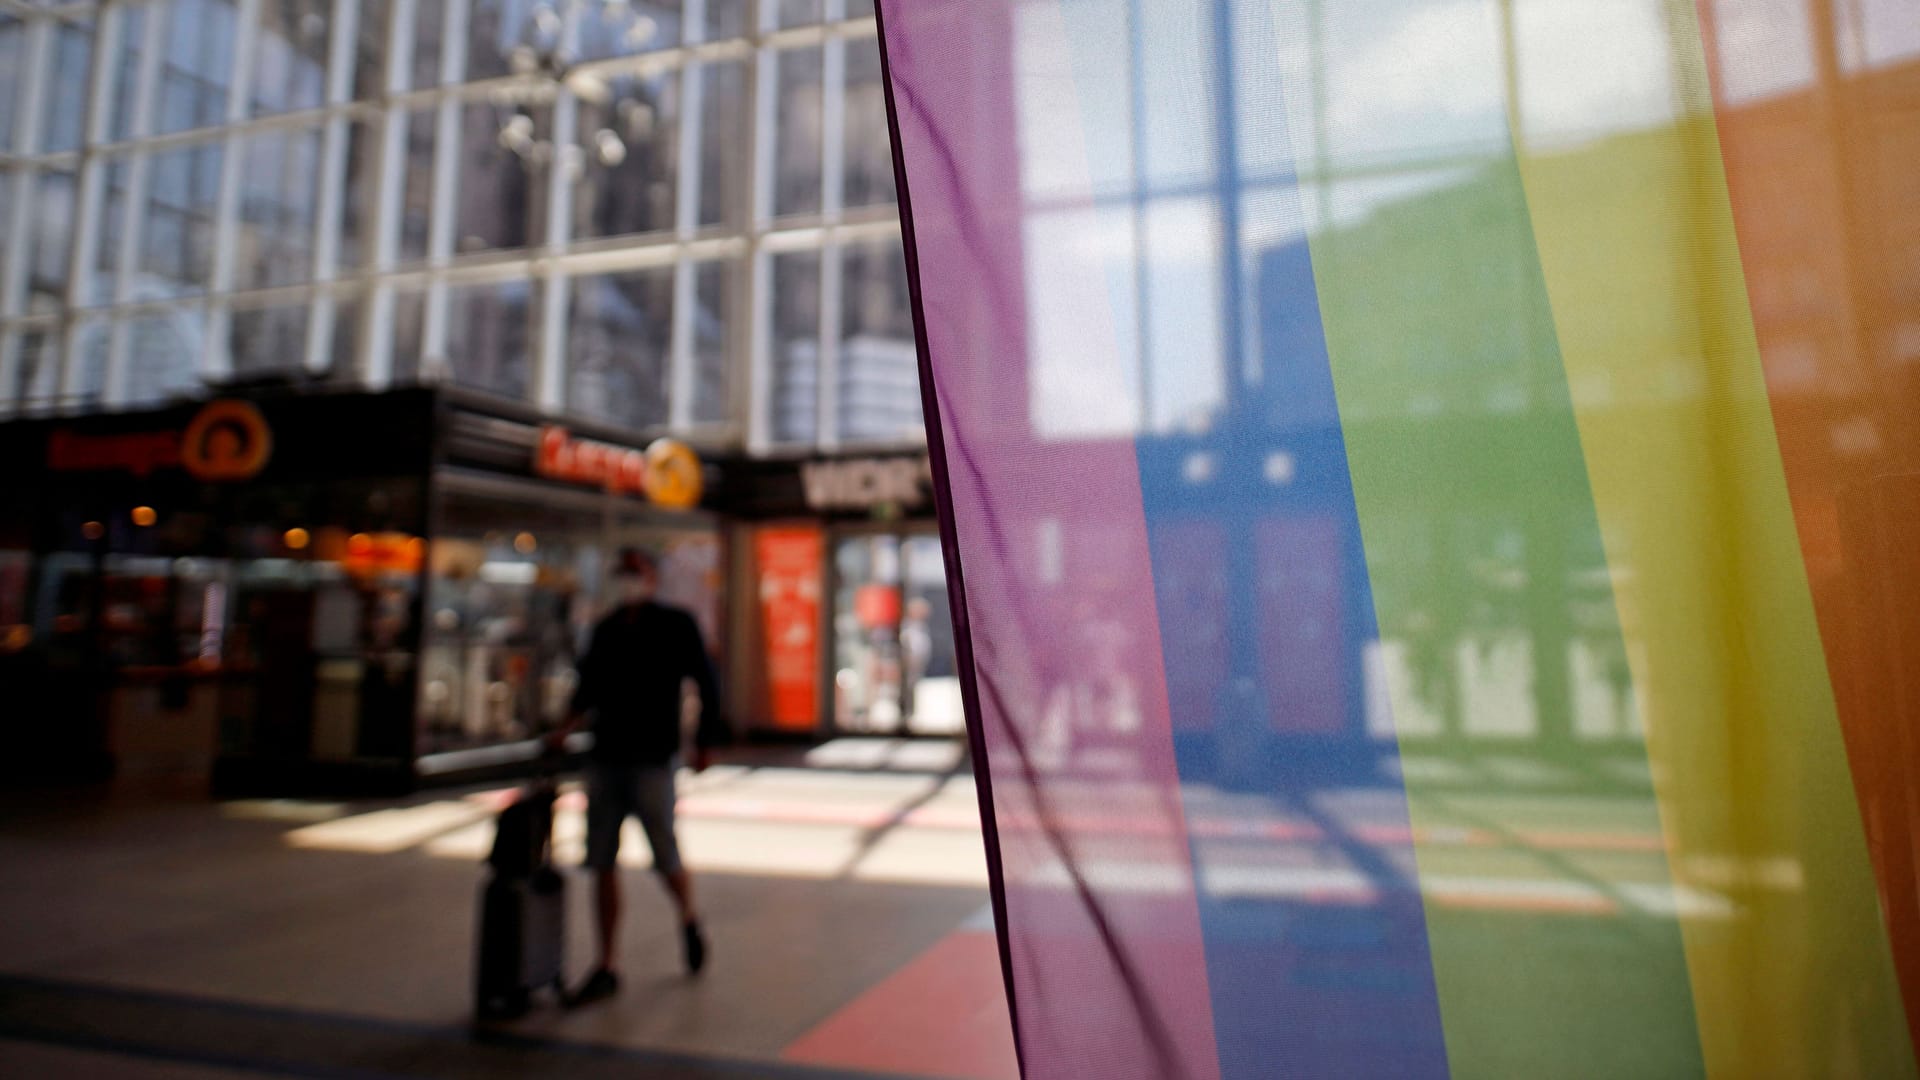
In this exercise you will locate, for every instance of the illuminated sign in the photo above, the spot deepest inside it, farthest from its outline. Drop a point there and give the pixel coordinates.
(865, 483)
(225, 440)
(667, 473)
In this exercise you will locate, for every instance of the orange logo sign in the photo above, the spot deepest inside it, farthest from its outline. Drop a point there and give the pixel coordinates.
(673, 474)
(227, 440)
(667, 473)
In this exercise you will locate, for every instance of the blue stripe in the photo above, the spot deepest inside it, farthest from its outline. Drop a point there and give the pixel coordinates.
(1254, 522)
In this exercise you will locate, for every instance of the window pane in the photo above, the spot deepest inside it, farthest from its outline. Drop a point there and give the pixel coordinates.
(800, 12)
(429, 32)
(869, 164)
(370, 49)
(34, 373)
(717, 328)
(176, 252)
(797, 136)
(343, 349)
(163, 355)
(621, 325)
(416, 192)
(629, 153)
(12, 56)
(198, 64)
(723, 152)
(274, 245)
(624, 27)
(726, 19)
(796, 346)
(268, 340)
(290, 56)
(106, 253)
(409, 324)
(497, 29)
(502, 177)
(67, 96)
(90, 343)
(7, 184)
(358, 200)
(488, 327)
(51, 244)
(126, 70)
(879, 369)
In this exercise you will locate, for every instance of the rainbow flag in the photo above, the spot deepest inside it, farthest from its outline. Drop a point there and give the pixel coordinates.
(1431, 491)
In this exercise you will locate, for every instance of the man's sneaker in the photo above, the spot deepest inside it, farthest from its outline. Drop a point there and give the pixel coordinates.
(601, 984)
(696, 946)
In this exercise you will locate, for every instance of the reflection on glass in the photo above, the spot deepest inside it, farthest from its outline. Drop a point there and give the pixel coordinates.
(796, 346)
(176, 252)
(266, 341)
(629, 149)
(487, 345)
(278, 189)
(879, 378)
(621, 327)
(797, 130)
(290, 56)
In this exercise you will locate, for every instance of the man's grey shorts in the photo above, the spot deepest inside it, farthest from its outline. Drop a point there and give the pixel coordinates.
(646, 792)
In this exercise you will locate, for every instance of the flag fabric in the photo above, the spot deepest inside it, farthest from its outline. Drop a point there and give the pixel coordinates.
(1430, 495)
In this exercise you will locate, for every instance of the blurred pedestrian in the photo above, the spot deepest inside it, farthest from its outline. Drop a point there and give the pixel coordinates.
(630, 679)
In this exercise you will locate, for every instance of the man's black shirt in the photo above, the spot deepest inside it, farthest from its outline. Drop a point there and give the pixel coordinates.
(630, 677)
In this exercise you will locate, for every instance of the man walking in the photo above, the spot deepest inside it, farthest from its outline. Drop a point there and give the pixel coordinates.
(630, 677)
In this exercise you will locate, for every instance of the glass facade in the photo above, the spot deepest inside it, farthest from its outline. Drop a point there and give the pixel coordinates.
(672, 217)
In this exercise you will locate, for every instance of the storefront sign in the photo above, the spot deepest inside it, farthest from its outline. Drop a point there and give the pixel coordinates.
(666, 473)
(866, 483)
(790, 567)
(225, 440)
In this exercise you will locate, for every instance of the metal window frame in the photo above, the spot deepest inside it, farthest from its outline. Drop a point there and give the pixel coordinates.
(746, 240)
(30, 108)
(330, 199)
(434, 364)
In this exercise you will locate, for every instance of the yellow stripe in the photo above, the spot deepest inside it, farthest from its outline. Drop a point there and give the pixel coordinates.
(1636, 238)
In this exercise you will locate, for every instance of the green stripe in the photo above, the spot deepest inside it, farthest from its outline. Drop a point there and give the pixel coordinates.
(1479, 527)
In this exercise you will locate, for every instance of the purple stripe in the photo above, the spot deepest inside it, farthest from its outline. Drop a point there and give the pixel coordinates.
(1100, 930)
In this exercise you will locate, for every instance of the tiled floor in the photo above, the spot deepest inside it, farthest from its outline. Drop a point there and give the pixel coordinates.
(843, 903)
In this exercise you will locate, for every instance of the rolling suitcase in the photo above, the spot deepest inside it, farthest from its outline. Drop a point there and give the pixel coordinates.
(522, 909)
